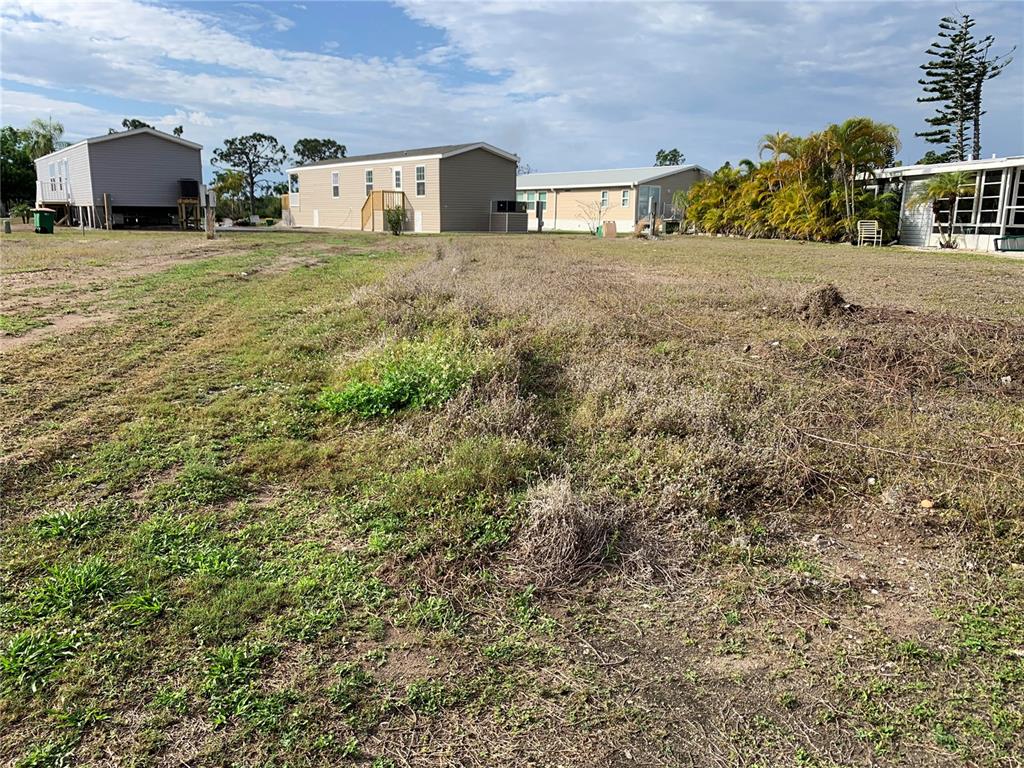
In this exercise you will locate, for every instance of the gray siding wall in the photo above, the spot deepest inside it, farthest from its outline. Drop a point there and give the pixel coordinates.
(675, 182)
(142, 170)
(78, 173)
(469, 181)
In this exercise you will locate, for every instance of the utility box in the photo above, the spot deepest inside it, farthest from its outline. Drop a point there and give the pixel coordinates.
(43, 218)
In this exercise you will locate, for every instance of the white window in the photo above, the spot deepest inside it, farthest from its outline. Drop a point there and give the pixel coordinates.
(542, 200)
(625, 198)
(398, 178)
(369, 182)
(521, 196)
(293, 183)
(531, 201)
(53, 177)
(604, 198)
(335, 184)
(421, 180)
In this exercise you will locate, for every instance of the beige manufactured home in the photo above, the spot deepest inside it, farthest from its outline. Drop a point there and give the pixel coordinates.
(581, 200)
(451, 188)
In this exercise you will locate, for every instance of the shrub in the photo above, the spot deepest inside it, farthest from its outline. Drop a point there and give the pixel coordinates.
(418, 375)
(394, 219)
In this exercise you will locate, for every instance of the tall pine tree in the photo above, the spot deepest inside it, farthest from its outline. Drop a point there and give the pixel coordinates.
(947, 83)
(985, 68)
(955, 73)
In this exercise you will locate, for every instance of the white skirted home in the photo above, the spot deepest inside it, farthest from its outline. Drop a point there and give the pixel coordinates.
(990, 219)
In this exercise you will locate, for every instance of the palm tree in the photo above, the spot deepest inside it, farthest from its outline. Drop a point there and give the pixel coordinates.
(855, 146)
(44, 136)
(778, 143)
(944, 187)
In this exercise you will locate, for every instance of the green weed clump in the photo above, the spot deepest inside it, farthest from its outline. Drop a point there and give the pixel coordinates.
(73, 525)
(229, 685)
(189, 546)
(71, 588)
(30, 658)
(410, 375)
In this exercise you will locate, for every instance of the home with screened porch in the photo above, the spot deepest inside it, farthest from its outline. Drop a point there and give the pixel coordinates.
(988, 217)
(449, 188)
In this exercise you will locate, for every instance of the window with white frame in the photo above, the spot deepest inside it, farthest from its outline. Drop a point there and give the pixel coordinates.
(398, 178)
(335, 184)
(604, 198)
(421, 180)
(368, 177)
(531, 201)
(293, 183)
(53, 177)
(625, 198)
(542, 200)
(521, 197)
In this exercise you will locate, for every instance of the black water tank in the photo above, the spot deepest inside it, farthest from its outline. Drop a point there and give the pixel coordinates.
(188, 188)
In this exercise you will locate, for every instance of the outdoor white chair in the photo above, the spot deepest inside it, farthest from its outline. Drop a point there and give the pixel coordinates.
(868, 232)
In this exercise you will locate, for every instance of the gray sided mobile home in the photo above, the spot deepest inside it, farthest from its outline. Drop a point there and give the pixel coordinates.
(139, 171)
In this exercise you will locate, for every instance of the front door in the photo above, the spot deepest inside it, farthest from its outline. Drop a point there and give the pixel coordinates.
(915, 221)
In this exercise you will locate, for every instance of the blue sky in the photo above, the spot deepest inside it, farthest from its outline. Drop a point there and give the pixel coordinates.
(566, 85)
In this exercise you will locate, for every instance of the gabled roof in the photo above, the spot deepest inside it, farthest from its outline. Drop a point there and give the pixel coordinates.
(615, 177)
(899, 171)
(123, 134)
(421, 153)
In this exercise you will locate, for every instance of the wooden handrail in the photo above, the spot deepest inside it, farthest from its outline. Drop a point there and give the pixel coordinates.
(380, 199)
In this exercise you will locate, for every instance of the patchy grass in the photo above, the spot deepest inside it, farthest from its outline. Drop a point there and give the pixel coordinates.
(306, 499)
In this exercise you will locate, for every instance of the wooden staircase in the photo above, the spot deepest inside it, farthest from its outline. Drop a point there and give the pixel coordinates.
(380, 200)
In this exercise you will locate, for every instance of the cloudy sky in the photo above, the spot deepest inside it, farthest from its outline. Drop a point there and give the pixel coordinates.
(566, 85)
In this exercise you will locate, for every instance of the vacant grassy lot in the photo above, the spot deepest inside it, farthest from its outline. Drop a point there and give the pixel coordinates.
(304, 499)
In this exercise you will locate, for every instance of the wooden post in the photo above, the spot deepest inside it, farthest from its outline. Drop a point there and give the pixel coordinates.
(211, 207)
(106, 210)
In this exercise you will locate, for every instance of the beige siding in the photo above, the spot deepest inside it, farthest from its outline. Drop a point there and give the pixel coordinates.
(469, 182)
(345, 211)
(571, 209)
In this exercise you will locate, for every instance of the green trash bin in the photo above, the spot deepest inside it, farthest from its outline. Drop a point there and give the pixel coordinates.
(43, 220)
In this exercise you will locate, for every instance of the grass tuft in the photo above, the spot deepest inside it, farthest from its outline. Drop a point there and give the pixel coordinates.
(73, 588)
(31, 657)
(72, 525)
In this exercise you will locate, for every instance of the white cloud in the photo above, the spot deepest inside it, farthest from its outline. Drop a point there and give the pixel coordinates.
(566, 85)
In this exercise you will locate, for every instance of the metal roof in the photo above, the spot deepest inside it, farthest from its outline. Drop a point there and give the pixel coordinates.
(614, 177)
(935, 168)
(444, 150)
(123, 134)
